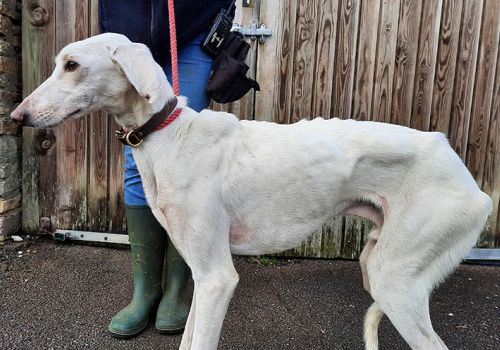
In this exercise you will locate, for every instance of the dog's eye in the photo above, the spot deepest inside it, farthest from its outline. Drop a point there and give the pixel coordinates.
(70, 66)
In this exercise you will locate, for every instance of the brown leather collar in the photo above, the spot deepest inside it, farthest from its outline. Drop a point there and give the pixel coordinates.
(135, 136)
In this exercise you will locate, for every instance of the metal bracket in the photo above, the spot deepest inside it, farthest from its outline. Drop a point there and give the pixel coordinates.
(484, 254)
(103, 237)
(253, 31)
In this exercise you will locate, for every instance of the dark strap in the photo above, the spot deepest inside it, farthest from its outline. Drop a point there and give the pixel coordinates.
(135, 137)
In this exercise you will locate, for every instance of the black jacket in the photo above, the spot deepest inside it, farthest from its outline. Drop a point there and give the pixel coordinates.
(146, 21)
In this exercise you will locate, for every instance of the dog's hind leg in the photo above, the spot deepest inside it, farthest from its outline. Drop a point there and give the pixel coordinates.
(365, 254)
(407, 307)
(417, 248)
(402, 277)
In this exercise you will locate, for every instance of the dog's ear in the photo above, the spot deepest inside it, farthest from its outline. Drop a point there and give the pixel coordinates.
(141, 70)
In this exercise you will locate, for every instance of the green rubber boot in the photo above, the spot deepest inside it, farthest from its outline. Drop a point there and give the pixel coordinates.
(174, 307)
(147, 242)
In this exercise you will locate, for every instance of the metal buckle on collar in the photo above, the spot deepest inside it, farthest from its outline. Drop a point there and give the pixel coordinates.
(129, 138)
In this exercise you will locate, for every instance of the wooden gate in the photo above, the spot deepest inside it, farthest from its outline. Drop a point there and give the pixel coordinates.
(431, 65)
(73, 174)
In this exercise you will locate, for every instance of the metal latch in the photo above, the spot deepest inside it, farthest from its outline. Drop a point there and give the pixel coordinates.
(60, 236)
(253, 31)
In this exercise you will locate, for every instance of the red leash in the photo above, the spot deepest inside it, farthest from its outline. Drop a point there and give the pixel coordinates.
(173, 47)
(173, 59)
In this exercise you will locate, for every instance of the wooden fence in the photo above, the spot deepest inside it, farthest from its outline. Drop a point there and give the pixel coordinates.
(428, 64)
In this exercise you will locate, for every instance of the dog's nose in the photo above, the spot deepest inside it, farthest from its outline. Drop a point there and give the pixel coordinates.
(20, 115)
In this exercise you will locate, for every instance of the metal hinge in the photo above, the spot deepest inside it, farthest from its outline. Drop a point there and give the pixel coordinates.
(253, 31)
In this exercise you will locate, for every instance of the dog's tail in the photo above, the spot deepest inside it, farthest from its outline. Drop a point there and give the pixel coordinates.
(372, 320)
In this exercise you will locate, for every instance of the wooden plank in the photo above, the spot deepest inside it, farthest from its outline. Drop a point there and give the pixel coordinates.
(30, 200)
(106, 210)
(116, 159)
(426, 63)
(332, 233)
(367, 52)
(72, 166)
(386, 51)
(244, 108)
(304, 54)
(93, 17)
(491, 178)
(483, 90)
(343, 86)
(47, 156)
(465, 75)
(310, 248)
(325, 55)
(31, 69)
(115, 170)
(353, 233)
(268, 63)
(324, 243)
(97, 182)
(445, 66)
(107, 200)
(38, 26)
(275, 60)
(406, 58)
(347, 37)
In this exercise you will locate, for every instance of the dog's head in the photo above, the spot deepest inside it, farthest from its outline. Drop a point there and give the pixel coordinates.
(106, 72)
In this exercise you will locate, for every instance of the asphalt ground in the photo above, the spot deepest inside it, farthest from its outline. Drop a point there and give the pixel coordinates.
(62, 296)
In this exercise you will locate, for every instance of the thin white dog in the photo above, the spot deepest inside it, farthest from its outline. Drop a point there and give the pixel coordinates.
(222, 186)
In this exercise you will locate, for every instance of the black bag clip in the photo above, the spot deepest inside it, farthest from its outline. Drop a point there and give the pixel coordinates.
(219, 32)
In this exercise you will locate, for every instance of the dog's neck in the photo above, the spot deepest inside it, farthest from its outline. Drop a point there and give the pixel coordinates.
(167, 140)
(134, 110)
(139, 110)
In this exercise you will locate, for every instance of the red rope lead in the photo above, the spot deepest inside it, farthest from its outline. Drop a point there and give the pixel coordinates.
(173, 47)
(170, 119)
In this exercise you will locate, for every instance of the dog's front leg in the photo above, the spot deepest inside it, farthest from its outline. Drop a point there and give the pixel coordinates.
(187, 336)
(215, 278)
(213, 294)
(200, 232)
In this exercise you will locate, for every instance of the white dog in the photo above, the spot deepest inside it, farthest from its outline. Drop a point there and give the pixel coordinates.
(221, 186)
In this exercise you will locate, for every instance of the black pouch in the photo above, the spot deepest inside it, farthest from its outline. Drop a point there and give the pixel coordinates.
(228, 81)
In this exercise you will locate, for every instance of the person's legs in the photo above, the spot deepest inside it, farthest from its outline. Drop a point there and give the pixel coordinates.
(194, 69)
(147, 245)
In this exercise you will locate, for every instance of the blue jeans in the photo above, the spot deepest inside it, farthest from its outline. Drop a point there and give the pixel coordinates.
(194, 68)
